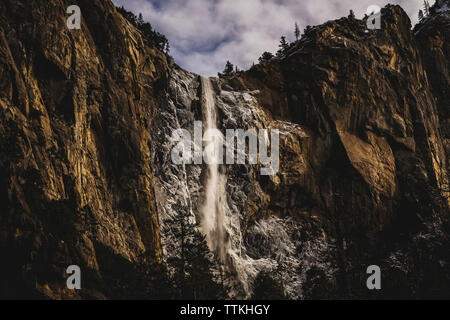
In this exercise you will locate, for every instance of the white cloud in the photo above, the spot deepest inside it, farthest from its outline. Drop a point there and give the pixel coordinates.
(204, 34)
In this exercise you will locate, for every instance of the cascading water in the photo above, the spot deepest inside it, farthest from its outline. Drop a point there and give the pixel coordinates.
(220, 223)
(212, 211)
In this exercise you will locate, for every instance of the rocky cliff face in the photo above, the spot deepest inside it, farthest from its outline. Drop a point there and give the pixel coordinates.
(87, 178)
(75, 171)
(374, 162)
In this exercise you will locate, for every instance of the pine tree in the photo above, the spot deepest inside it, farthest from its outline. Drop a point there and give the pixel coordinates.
(200, 279)
(426, 8)
(179, 225)
(167, 49)
(284, 46)
(228, 68)
(307, 29)
(140, 20)
(279, 272)
(223, 277)
(297, 31)
(127, 15)
(283, 43)
(317, 286)
(152, 280)
(420, 15)
(150, 36)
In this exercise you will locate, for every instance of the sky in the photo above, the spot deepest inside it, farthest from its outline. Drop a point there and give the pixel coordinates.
(204, 34)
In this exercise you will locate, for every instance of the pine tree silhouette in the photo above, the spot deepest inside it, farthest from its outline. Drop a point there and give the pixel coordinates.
(297, 31)
(193, 264)
(351, 14)
(150, 36)
(426, 8)
(266, 56)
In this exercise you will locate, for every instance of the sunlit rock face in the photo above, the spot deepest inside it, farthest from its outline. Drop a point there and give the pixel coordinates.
(86, 122)
(75, 170)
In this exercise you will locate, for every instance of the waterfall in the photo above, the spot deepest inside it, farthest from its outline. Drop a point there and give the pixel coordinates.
(212, 212)
(219, 223)
(270, 241)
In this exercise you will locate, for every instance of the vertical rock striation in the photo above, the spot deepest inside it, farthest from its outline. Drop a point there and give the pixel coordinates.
(75, 173)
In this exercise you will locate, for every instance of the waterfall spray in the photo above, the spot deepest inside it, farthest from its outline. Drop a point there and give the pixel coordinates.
(212, 211)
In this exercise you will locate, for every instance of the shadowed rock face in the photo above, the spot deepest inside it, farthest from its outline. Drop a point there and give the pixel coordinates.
(86, 177)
